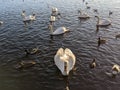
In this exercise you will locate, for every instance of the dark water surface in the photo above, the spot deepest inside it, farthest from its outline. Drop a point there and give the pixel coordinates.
(82, 40)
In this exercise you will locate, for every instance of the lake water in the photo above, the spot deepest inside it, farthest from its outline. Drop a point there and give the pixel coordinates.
(82, 40)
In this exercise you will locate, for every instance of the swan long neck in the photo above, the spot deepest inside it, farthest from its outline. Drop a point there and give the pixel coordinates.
(65, 67)
(51, 29)
(98, 20)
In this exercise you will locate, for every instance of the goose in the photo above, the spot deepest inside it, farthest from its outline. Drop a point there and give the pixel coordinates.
(93, 64)
(115, 69)
(28, 18)
(25, 64)
(83, 15)
(101, 41)
(64, 60)
(105, 22)
(1, 22)
(59, 30)
(32, 51)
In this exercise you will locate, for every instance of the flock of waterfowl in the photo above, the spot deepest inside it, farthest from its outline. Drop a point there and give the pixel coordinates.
(65, 59)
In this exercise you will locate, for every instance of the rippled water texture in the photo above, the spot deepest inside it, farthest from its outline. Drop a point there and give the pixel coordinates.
(82, 40)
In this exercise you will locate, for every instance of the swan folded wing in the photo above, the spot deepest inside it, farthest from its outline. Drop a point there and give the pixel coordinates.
(71, 59)
(27, 18)
(104, 22)
(52, 18)
(59, 30)
(59, 62)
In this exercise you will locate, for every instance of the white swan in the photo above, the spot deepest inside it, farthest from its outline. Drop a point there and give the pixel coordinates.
(65, 60)
(52, 18)
(1, 22)
(58, 31)
(83, 15)
(54, 9)
(105, 22)
(28, 18)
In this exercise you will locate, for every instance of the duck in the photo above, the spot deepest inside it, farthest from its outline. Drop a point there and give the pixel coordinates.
(93, 64)
(83, 15)
(59, 30)
(32, 51)
(115, 70)
(101, 41)
(28, 18)
(105, 22)
(25, 64)
(65, 60)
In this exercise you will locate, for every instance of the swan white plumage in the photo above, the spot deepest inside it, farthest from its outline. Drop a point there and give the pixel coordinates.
(58, 31)
(65, 60)
(83, 15)
(105, 22)
(54, 9)
(52, 18)
(28, 18)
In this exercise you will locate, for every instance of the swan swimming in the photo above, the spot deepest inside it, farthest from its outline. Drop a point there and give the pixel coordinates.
(58, 31)
(65, 60)
(28, 18)
(105, 22)
(83, 15)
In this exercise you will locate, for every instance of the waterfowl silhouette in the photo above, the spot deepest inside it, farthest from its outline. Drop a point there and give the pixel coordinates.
(25, 64)
(83, 15)
(103, 23)
(65, 60)
(58, 31)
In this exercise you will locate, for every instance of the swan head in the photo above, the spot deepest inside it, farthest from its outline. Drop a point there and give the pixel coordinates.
(65, 72)
(97, 17)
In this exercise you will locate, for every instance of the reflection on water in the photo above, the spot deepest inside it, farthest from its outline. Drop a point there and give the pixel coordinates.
(15, 37)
